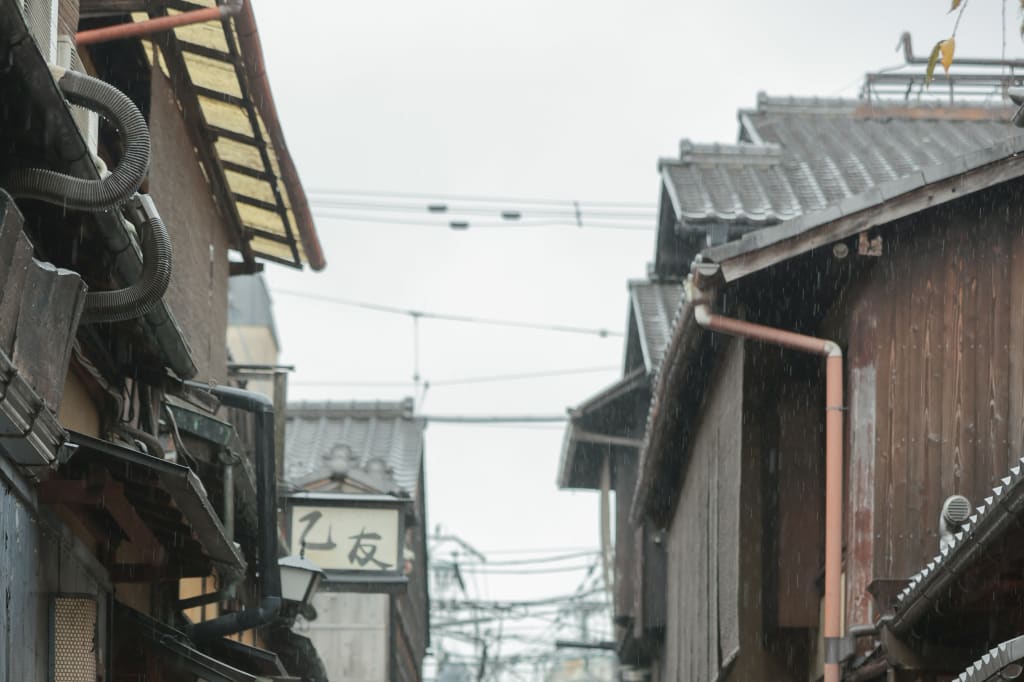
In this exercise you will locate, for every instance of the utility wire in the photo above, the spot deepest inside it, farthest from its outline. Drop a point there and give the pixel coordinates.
(493, 418)
(523, 562)
(447, 317)
(447, 223)
(504, 211)
(482, 569)
(325, 191)
(459, 381)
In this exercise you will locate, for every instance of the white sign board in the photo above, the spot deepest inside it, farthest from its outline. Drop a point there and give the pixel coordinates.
(338, 538)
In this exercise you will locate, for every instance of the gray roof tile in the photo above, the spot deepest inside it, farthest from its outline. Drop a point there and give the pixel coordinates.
(810, 154)
(654, 307)
(377, 443)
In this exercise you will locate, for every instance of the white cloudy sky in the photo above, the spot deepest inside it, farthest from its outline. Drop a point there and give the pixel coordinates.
(565, 99)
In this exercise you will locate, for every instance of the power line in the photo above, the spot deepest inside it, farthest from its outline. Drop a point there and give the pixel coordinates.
(448, 317)
(482, 569)
(472, 198)
(355, 217)
(538, 560)
(459, 381)
(493, 418)
(505, 211)
(542, 550)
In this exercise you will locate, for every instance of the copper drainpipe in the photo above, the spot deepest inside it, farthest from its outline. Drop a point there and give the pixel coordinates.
(136, 29)
(833, 455)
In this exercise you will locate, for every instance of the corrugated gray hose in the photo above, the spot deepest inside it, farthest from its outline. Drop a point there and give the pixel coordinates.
(91, 195)
(157, 260)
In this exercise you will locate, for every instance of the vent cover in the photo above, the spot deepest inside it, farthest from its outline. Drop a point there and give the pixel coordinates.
(74, 639)
(956, 510)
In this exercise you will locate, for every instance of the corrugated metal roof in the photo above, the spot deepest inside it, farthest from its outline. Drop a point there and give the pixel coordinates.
(269, 206)
(655, 305)
(374, 443)
(801, 155)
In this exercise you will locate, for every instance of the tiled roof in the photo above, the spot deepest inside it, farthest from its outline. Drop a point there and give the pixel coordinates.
(998, 658)
(798, 156)
(986, 525)
(375, 443)
(654, 306)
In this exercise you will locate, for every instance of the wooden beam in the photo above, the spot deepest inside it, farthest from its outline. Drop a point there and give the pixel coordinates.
(204, 51)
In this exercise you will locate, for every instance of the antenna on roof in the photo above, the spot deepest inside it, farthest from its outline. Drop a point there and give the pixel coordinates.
(987, 79)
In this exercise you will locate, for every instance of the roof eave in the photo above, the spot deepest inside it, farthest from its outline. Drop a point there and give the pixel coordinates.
(883, 204)
(252, 51)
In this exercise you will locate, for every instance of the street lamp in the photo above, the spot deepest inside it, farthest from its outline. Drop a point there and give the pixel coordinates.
(300, 579)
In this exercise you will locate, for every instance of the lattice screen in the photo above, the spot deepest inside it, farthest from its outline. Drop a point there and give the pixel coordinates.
(74, 639)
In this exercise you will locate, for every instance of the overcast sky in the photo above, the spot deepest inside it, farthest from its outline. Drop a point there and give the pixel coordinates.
(564, 99)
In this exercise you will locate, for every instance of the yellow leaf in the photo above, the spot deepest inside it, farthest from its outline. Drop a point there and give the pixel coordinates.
(946, 47)
(956, 3)
(932, 59)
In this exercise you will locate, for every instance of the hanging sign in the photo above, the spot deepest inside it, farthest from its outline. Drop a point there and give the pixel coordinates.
(358, 540)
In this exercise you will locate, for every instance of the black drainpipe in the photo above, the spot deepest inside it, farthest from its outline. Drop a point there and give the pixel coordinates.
(262, 409)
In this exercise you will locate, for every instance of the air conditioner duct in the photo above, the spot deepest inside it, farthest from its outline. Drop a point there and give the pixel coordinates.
(955, 511)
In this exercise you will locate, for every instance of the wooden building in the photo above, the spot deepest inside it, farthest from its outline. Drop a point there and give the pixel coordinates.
(889, 236)
(138, 536)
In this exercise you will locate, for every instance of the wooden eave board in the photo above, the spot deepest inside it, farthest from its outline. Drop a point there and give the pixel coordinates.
(237, 135)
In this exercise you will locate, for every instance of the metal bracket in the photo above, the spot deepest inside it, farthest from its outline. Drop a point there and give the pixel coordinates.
(838, 649)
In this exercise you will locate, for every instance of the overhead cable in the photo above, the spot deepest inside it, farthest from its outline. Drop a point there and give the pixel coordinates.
(459, 381)
(447, 223)
(325, 191)
(448, 317)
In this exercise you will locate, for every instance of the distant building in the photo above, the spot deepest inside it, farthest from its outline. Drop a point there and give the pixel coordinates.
(369, 449)
(252, 332)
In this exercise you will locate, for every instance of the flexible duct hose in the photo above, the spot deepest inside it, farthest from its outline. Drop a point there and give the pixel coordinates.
(91, 195)
(157, 259)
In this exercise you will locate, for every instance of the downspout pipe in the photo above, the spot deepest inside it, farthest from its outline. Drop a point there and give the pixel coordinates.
(138, 29)
(833, 355)
(262, 409)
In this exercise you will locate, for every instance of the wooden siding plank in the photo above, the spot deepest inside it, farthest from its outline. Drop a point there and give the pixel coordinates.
(1015, 346)
(902, 527)
(862, 400)
(932, 352)
(996, 353)
(913, 359)
(953, 323)
(969, 393)
(984, 309)
(886, 386)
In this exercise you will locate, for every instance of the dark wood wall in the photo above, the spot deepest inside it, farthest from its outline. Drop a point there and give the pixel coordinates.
(703, 582)
(936, 373)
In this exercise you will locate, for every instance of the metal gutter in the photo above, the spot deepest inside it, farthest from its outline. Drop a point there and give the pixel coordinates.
(137, 29)
(159, 322)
